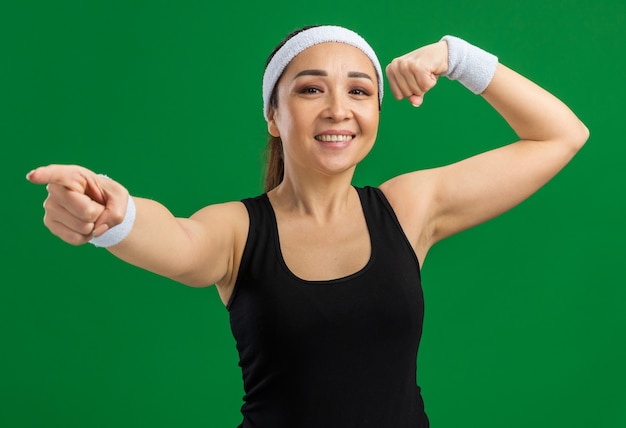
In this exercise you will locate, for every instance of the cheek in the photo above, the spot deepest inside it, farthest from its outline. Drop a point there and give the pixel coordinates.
(371, 120)
(297, 121)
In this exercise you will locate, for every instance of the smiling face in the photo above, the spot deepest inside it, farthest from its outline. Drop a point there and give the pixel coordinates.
(327, 109)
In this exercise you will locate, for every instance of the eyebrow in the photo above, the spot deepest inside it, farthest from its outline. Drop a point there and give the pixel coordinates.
(359, 75)
(354, 74)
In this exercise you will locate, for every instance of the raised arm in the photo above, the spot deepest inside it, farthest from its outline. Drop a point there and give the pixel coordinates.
(197, 251)
(439, 202)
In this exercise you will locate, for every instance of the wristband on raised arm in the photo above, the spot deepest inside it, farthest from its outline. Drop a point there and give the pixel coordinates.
(469, 64)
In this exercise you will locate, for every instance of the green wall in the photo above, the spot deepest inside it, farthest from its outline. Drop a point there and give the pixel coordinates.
(525, 322)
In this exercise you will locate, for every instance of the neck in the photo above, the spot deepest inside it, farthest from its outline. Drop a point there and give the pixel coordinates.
(322, 197)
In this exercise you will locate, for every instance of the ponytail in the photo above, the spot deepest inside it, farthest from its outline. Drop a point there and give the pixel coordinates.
(275, 167)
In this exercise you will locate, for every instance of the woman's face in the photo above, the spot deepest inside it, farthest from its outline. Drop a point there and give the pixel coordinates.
(327, 112)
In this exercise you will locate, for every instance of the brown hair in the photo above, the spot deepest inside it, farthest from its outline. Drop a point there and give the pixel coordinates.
(274, 164)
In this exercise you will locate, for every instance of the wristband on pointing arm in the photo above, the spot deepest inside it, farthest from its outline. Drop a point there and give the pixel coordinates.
(469, 64)
(117, 233)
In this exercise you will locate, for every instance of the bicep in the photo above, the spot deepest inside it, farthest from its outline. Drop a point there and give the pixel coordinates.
(436, 203)
(216, 233)
(484, 186)
(197, 251)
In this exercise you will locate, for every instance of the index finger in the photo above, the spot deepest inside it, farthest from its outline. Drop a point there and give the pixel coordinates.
(73, 177)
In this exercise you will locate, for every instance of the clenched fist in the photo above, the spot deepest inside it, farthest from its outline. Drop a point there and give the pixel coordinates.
(412, 75)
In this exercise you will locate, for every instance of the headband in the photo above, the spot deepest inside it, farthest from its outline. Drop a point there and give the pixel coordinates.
(304, 40)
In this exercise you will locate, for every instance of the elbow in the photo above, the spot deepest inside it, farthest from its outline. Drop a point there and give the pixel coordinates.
(580, 135)
(575, 136)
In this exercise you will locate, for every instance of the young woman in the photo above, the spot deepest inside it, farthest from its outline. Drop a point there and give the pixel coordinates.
(322, 279)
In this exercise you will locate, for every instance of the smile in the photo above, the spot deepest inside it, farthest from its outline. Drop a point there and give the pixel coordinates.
(334, 138)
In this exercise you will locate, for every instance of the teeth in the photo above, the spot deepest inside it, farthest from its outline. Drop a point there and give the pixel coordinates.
(334, 138)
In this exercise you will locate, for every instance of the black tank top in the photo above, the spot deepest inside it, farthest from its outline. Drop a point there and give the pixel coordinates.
(329, 354)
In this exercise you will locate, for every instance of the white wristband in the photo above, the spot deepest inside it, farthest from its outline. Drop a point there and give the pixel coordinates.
(469, 64)
(116, 234)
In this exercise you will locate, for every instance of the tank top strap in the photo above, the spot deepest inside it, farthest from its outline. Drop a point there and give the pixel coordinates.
(383, 224)
(260, 238)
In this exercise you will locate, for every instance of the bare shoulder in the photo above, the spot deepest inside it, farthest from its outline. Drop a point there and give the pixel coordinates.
(409, 192)
(233, 213)
(411, 196)
(227, 223)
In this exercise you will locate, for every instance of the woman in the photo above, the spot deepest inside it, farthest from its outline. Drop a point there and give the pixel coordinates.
(321, 279)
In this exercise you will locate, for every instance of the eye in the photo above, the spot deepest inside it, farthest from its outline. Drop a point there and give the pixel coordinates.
(361, 92)
(310, 90)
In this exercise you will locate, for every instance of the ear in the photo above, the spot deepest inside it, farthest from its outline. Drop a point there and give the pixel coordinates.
(271, 123)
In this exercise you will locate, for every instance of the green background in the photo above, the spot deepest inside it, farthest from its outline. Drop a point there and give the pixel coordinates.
(525, 322)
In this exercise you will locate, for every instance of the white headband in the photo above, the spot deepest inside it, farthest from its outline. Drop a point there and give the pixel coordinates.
(304, 40)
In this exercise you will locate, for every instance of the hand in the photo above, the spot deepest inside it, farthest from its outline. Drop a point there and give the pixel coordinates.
(412, 75)
(80, 203)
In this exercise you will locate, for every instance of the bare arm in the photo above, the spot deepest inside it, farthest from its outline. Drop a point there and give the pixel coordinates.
(439, 202)
(197, 251)
(476, 189)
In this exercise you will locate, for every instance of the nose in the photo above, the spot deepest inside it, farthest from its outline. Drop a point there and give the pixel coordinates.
(338, 107)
